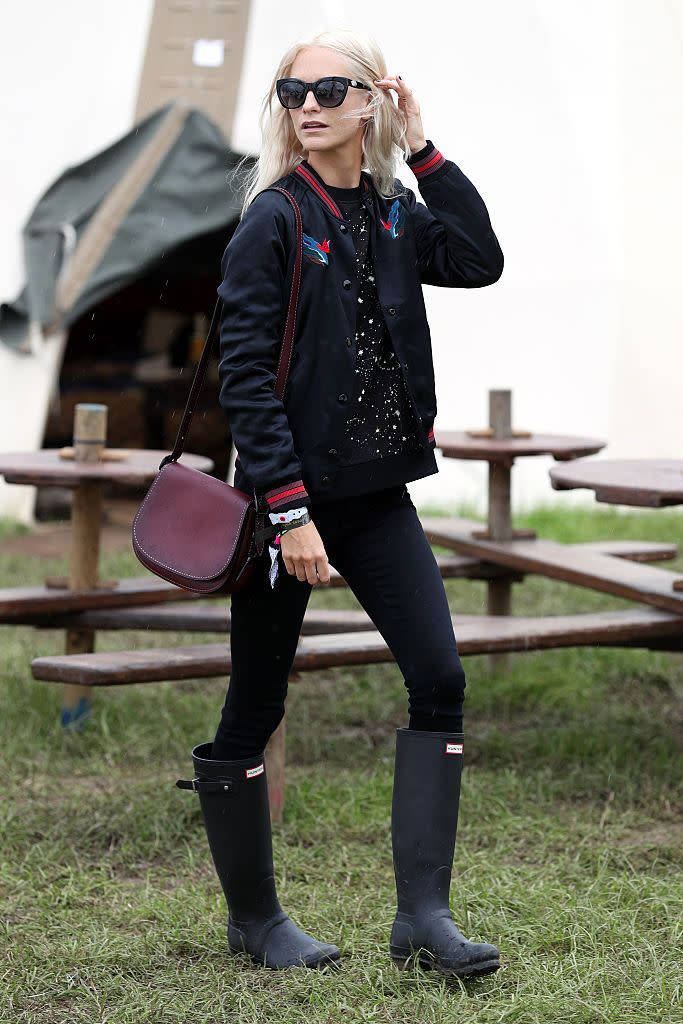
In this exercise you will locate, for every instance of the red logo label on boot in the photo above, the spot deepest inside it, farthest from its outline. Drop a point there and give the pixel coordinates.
(454, 748)
(252, 772)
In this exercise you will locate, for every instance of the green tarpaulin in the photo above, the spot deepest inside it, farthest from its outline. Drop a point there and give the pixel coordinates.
(164, 183)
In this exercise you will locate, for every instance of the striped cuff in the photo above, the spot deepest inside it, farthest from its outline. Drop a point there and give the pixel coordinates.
(426, 160)
(287, 496)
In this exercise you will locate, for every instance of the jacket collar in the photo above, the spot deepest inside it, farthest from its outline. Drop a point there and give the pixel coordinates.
(306, 173)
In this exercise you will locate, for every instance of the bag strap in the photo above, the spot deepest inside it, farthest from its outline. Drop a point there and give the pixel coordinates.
(285, 350)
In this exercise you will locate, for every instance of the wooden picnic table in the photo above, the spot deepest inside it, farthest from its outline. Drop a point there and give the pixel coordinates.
(648, 483)
(645, 482)
(87, 479)
(46, 468)
(463, 444)
(499, 445)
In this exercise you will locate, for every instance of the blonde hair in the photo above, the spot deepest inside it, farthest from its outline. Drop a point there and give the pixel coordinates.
(384, 137)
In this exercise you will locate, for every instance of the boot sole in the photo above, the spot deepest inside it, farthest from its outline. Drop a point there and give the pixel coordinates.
(328, 960)
(403, 963)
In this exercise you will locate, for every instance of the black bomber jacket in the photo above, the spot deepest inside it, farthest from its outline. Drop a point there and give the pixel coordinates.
(287, 448)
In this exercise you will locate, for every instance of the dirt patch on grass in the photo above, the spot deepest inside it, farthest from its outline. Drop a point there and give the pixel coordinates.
(661, 834)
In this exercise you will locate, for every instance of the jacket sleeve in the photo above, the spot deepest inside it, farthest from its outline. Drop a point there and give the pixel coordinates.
(255, 294)
(456, 245)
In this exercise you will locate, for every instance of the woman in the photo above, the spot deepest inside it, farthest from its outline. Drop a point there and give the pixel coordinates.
(332, 460)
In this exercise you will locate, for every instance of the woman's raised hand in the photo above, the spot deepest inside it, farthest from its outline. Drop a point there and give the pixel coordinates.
(409, 107)
(303, 553)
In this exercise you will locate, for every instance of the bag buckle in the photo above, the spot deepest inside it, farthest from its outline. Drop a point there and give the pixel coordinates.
(263, 528)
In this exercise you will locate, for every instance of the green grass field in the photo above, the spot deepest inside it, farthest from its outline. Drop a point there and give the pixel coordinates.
(569, 848)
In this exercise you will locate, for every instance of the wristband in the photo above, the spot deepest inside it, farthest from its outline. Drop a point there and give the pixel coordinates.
(301, 521)
(281, 528)
(286, 517)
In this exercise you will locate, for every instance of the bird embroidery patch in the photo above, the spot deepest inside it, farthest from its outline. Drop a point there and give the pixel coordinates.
(397, 217)
(316, 252)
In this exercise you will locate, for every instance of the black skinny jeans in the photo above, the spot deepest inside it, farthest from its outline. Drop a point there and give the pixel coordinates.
(377, 543)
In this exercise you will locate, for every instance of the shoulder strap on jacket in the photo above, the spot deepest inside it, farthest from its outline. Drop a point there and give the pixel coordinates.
(285, 351)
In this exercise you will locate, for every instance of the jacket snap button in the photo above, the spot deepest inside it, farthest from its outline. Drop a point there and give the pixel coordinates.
(392, 310)
(349, 343)
(342, 397)
(332, 451)
(346, 284)
(325, 480)
(343, 227)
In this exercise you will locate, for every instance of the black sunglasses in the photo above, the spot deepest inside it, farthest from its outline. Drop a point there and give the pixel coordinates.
(329, 92)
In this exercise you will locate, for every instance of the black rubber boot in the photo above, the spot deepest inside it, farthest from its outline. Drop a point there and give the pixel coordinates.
(234, 801)
(424, 818)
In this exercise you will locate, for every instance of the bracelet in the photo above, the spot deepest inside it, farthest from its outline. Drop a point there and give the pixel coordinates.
(296, 517)
(301, 521)
(286, 517)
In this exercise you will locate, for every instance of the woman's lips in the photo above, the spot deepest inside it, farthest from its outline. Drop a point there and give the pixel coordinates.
(315, 127)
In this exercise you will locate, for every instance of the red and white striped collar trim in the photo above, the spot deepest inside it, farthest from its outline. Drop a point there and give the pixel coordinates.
(316, 183)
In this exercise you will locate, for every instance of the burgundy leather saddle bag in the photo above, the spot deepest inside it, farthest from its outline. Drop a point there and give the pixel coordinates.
(192, 529)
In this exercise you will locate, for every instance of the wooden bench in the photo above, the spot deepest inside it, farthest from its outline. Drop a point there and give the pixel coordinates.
(584, 566)
(476, 634)
(642, 627)
(53, 608)
(192, 617)
(30, 605)
(24, 604)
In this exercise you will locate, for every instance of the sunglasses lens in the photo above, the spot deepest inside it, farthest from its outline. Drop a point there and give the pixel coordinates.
(291, 93)
(330, 92)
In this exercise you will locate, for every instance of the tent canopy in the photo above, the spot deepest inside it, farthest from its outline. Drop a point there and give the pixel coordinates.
(111, 219)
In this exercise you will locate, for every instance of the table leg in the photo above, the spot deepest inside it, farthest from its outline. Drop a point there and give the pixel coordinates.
(499, 591)
(275, 770)
(86, 517)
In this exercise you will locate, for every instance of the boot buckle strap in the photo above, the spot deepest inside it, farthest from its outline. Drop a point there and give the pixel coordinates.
(206, 785)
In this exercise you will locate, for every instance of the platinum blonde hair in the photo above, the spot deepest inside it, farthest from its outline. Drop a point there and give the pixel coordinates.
(384, 138)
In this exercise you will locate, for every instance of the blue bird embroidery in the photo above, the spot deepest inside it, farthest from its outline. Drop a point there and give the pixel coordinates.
(397, 217)
(316, 251)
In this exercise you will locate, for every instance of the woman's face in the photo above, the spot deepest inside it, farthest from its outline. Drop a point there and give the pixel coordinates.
(310, 65)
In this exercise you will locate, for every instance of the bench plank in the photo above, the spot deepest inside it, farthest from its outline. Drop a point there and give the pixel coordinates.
(29, 605)
(570, 563)
(16, 602)
(444, 531)
(476, 634)
(197, 618)
(634, 551)
(53, 609)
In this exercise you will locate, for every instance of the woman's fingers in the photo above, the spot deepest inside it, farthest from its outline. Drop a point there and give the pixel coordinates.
(304, 555)
(407, 101)
(322, 570)
(395, 82)
(409, 107)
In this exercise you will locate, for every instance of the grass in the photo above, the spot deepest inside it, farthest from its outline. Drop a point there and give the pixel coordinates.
(569, 848)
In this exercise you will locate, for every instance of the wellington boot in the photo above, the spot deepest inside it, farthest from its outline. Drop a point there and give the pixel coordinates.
(424, 817)
(234, 801)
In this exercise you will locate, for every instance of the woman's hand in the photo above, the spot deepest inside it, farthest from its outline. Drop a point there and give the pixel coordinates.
(409, 107)
(303, 552)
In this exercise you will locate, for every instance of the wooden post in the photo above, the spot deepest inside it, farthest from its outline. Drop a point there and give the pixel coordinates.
(90, 437)
(275, 770)
(499, 593)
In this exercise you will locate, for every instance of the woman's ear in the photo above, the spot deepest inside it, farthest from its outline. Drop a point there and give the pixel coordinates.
(368, 100)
